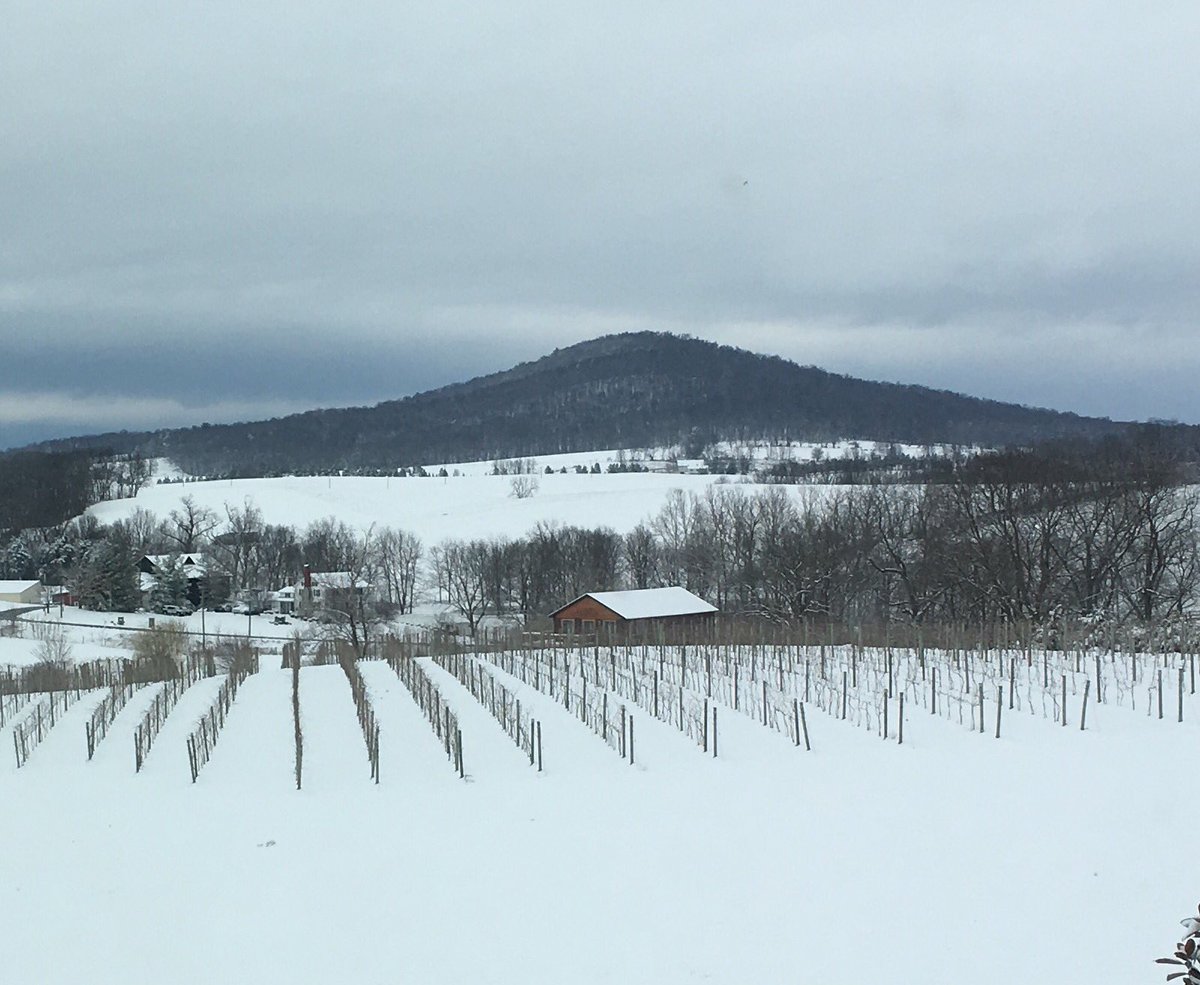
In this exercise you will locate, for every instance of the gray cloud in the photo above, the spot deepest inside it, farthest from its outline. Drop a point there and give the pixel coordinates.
(240, 209)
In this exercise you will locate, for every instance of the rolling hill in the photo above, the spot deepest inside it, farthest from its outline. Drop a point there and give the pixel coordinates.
(629, 390)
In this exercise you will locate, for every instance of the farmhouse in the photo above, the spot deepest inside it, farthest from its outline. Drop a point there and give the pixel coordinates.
(150, 568)
(641, 613)
(21, 592)
(328, 590)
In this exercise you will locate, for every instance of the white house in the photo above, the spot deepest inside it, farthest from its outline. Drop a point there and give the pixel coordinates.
(284, 600)
(328, 590)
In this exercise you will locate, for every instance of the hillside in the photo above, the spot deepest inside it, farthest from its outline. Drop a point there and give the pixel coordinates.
(630, 390)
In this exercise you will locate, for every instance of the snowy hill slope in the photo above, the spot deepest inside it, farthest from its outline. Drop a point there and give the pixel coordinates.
(472, 505)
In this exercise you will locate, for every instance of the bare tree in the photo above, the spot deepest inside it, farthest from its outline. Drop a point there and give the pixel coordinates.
(466, 579)
(190, 525)
(398, 558)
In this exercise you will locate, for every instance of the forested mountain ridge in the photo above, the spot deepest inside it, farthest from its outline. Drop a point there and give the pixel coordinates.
(630, 390)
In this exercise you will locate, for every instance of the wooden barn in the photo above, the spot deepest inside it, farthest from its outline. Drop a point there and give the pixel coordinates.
(641, 613)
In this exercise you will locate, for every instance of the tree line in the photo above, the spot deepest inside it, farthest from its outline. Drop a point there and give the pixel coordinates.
(1103, 532)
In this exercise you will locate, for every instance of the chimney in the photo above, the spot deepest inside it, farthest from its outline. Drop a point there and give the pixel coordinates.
(307, 578)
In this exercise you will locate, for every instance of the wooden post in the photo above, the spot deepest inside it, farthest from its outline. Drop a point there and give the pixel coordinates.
(714, 731)
(631, 740)
(1181, 693)
(804, 725)
(1160, 696)
(1064, 700)
(1087, 687)
(539, 746)
(886, 698)
(999, 705)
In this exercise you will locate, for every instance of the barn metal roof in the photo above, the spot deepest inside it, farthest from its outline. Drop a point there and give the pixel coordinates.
(649, 603)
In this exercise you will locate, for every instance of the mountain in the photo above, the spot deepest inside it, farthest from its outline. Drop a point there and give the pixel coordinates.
(631, 390)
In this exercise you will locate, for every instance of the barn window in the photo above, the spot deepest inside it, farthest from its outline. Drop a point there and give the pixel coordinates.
(568, 625)
(589, 625)
(610, 626)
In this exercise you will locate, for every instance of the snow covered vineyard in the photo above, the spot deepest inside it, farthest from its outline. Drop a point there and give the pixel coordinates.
(749, 812)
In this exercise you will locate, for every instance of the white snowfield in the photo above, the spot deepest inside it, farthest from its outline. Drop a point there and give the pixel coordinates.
(435, 509)
(1049, 855)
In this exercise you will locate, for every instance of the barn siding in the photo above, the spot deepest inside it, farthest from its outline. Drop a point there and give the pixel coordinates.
(585, 608)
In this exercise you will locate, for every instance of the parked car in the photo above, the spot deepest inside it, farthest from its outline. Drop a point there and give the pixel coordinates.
(177, 610)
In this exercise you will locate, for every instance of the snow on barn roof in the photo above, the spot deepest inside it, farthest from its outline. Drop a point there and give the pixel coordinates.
(650, 603)
(17, 587)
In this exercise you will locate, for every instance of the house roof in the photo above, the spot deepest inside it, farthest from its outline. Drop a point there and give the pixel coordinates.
(17, 587)
(648, 603)
(337, 579)
(191, 564)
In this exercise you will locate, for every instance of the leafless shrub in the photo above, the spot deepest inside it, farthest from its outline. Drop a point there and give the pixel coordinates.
(54, 648)
(161, 647)
(523, 486)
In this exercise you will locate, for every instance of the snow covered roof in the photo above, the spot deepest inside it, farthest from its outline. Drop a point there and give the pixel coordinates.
(192, 564)
(649, 603)
(337, 579)
(17, 587)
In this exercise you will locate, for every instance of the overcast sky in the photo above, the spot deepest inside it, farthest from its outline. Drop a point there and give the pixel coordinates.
(216, 210)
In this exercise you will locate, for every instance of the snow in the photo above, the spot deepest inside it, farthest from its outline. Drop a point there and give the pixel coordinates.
(17, 587)
(649, 603)
(435, 509)
(953, 857)
(1049, 855)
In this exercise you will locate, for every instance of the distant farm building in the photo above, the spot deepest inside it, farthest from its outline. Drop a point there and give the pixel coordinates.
(320, 591)
(150, 569)
(641, 613)
(21, 592)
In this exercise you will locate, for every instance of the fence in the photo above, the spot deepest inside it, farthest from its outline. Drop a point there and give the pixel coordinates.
(35, 726)
(164, 702)
(504, 706)
(366, 713)
(444, 722)
(203, 739)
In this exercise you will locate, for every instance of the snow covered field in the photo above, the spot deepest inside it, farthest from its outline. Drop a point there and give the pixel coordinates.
(434, 509)
(1049, 855)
